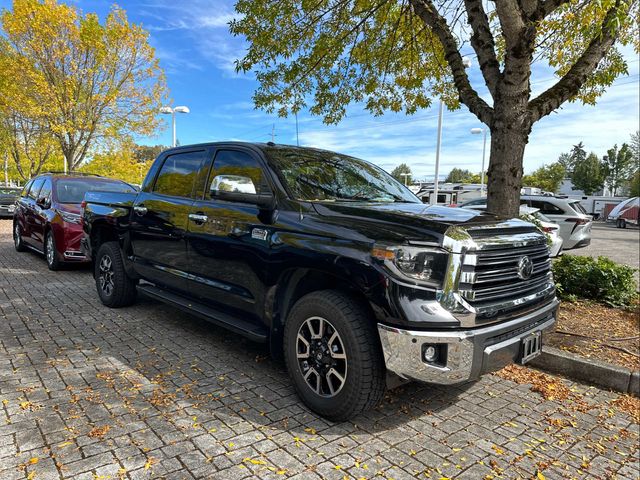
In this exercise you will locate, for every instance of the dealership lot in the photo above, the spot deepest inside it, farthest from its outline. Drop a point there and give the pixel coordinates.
(622, 245)
(149, 392)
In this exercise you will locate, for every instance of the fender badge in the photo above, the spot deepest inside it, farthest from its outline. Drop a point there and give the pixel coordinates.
(259, 234)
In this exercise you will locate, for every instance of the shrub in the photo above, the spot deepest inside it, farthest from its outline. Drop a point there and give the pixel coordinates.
(599, 279)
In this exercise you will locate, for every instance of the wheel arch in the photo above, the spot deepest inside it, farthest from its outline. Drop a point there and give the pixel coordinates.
(295, 283)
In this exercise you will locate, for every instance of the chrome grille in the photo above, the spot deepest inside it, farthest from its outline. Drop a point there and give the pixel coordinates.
(490, 274)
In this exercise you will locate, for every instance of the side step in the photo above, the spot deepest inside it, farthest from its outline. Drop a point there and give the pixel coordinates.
(247, 329)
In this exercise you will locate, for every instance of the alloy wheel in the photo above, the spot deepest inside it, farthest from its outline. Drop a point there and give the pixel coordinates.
(17, 235)
(106, 275)
(321, 356)
(50, 249)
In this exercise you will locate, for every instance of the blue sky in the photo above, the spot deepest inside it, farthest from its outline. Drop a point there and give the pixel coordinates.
(195, 49)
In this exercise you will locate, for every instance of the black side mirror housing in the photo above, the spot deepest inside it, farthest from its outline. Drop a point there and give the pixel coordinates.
(264, 201)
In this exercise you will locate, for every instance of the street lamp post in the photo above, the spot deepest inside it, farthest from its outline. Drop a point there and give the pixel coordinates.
(173, 111)
(477, 131)
(405, 175)
(467, 63)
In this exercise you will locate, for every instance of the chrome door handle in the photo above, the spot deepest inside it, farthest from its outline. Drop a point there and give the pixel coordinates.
(140, 211)
(198, 217)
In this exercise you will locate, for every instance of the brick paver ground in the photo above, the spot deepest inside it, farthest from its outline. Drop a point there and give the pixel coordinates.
(149, 392)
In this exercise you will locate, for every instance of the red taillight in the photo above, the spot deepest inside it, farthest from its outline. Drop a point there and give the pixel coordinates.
(549, 229)
(578, 221)
(453, 205)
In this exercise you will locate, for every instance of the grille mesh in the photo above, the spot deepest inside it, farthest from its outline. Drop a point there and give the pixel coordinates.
(491, 275)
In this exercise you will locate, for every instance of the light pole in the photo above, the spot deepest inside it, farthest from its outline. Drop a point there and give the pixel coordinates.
(467, 63)
(405, 175)
(173, 111)
(477, 131)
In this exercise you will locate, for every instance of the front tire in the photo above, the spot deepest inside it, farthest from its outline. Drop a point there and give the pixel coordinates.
(114, 286)
(50, 252)
(333, 355)
(18, 243)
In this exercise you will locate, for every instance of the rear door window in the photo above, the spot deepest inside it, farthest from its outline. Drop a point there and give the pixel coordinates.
(577, 206)
(178, 172)
(546, 208)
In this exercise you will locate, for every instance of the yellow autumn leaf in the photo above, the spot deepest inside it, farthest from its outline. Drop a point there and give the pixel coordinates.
(498, 450)
(31, 475)
(34, 460)
(539, 475)
(281, 472)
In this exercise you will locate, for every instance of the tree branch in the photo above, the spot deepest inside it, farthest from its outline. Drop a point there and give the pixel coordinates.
(546, 8)
(430, 16)
(569, 85)
(483, 43)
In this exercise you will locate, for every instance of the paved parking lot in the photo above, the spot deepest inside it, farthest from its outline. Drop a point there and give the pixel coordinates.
(621, 245)
(149, 392)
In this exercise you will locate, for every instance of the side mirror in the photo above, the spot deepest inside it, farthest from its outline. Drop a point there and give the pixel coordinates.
(237, 188)
(43, 203)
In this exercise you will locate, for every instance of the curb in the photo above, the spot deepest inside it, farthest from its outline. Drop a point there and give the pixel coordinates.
(590, 371)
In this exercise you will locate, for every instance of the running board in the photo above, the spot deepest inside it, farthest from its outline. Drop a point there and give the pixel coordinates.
(242, 327)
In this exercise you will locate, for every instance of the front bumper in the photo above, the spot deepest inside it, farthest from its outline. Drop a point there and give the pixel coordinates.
(468, 353)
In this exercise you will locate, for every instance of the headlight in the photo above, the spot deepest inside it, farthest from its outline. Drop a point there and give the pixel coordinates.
(421, 264)
(69, 217)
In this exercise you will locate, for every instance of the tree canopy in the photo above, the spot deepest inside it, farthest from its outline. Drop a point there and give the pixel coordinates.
(458, 175)
(618, 167)
(589, 175)
(397, 55)
(548, 177)
(399, 171)
(83, 81)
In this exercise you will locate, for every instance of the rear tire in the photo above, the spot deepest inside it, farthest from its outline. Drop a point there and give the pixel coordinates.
(623, 223)
(17, 238)
(114, 286)
(50, 252)
(333, 355)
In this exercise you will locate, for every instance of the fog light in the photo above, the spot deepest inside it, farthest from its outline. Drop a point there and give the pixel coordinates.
(430, 353)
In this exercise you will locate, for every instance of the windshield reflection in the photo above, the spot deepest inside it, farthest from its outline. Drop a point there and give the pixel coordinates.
(322, 176)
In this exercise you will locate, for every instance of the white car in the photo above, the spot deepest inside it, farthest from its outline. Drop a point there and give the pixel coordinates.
(575, 223)
(550, 228)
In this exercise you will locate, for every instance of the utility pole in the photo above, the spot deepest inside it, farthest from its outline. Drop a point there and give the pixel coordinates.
(273, 133)
(6, 169)
(439, 139)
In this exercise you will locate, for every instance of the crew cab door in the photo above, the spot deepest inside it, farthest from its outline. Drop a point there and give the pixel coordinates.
(160, 218)
(228, 243)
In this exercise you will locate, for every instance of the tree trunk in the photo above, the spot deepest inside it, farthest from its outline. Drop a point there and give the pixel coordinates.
(509, 135)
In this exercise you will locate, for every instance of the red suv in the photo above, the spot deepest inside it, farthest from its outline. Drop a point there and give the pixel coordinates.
(47, 216)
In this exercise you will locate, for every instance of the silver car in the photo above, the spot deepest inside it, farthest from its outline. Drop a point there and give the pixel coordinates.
(574, 222)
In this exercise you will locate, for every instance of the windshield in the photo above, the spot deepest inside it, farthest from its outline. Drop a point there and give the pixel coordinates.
(72, 190)
(318, 175)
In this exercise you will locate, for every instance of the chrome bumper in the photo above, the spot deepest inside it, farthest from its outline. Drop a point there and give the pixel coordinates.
(468, 353)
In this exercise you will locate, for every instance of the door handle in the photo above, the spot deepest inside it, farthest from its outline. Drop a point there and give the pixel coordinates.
(140, 210)
(198, 218)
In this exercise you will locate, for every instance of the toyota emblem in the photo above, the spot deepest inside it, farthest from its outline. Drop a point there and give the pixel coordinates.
(525, 268)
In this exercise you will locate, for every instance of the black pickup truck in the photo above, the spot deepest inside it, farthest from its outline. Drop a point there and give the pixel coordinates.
(331, 261)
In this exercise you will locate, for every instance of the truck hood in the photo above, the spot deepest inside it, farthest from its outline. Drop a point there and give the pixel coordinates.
(404, 221)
